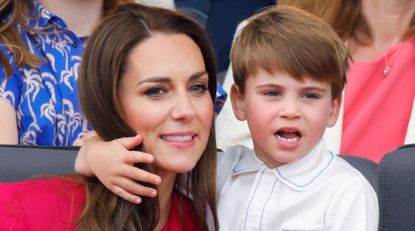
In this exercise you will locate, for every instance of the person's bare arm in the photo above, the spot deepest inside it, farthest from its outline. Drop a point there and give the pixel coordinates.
(8, 123)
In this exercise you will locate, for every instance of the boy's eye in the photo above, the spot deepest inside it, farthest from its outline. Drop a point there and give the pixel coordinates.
(155, 92)
(198, 88)
(272, 93)
(311, 96)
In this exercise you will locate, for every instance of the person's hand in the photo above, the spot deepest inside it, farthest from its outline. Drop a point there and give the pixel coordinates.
(113, 163)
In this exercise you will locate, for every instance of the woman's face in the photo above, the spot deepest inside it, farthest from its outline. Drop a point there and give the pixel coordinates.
(165, 98)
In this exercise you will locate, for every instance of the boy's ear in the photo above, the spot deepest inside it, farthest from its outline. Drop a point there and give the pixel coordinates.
(335, 110)
(237, 100)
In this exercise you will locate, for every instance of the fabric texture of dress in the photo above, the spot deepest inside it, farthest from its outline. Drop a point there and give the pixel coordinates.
(378, 108)
(56, 203)
(46, 98)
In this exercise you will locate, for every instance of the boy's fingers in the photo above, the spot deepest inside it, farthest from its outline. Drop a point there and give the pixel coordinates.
(126, 195)
(134, 157)
(138, 174)
(137, 189)
(130, 142)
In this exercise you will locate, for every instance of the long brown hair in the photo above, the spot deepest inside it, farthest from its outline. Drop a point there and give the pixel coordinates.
(101, 70)
(345, 16)
(15, 13)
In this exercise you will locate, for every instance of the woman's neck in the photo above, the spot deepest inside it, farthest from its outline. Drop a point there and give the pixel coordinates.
(81, 16)
(388, 20)
(165, 190)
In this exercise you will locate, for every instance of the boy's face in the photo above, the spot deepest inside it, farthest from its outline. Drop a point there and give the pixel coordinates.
(286, 117)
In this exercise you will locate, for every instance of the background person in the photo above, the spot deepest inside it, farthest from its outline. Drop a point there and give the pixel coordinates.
(41, 46)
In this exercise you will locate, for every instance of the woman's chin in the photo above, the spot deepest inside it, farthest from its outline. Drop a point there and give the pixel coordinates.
(177, 166)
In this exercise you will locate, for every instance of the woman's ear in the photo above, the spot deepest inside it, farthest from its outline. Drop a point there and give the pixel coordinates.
(238, 102)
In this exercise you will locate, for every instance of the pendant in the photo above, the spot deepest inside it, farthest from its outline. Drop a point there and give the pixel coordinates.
(386, 71)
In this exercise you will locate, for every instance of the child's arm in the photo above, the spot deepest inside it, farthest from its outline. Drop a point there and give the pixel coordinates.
(113, 163)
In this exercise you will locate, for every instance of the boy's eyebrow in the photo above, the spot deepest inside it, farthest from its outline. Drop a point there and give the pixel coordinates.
(315, 88)
(321, 90)
(268, 85)
(160, 79)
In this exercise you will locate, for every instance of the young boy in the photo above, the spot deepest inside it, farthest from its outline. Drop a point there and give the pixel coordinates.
(289, 69)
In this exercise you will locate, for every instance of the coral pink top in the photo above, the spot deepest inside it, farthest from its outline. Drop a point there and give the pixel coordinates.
(377, 108)
(55, 204)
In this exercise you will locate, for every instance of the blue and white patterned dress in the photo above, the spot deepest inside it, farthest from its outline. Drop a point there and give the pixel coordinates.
(46, 98)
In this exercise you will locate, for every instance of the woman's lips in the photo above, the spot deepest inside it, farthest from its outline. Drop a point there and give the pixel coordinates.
(180, 140)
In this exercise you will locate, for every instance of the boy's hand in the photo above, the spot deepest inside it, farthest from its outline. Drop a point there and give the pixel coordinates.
(113, 163)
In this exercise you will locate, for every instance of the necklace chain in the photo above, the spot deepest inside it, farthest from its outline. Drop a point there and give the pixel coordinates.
(387, 70)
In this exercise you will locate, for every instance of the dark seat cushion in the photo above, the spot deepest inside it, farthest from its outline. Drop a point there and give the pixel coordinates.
(396, 180)
(19, 162)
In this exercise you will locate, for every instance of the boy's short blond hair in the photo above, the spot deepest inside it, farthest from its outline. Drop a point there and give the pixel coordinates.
(288, 39)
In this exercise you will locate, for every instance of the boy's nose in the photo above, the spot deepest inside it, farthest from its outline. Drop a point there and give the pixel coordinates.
(289, 109)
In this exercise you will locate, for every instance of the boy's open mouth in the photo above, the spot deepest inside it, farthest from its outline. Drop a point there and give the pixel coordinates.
(288, 135)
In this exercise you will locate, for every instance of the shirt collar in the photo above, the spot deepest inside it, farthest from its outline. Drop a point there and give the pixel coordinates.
(41, 17)
(302, 174)
(247, 163)
(299, 175)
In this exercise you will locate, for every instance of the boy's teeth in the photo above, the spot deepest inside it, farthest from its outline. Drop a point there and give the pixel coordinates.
(177, 138)
(288, 140)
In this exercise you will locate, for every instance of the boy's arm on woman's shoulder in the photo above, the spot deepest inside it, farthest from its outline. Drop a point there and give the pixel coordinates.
(112, 162)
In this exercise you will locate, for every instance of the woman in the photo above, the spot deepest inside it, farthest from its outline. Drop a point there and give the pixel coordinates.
(41, 46)
(382, 45)
(123, 91)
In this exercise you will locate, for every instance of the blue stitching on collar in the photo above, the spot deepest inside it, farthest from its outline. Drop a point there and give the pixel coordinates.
(311, 181)
(266, 202)
(250, 201)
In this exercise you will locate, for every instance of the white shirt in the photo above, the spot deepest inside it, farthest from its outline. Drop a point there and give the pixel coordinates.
(318, 192)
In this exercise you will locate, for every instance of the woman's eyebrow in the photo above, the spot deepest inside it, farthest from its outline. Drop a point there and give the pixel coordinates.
(160, 79)
(198, 75)
(156, 79)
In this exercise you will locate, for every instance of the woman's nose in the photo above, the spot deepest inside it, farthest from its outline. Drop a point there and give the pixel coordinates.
(183, 108)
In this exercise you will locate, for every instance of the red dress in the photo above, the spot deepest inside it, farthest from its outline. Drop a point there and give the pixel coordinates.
(55, 204)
